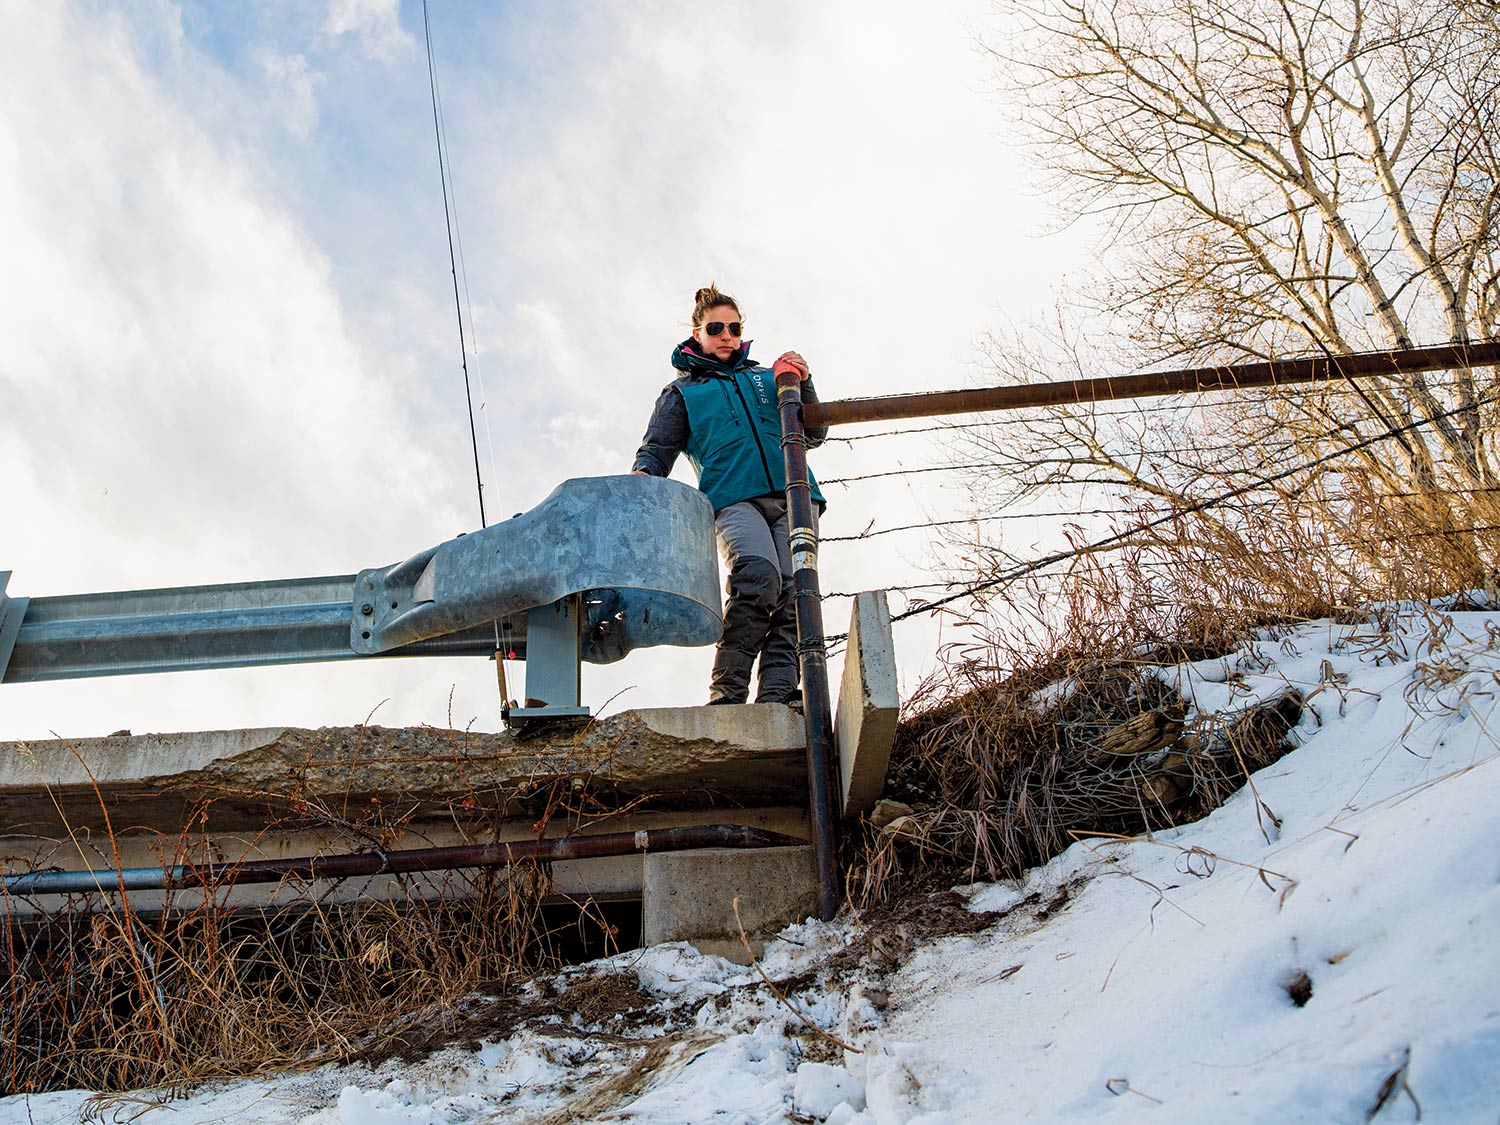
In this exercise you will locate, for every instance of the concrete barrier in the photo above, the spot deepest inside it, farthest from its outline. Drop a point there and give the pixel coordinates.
(275, 793)
(680, 757)
(691, 896)
(869, 705)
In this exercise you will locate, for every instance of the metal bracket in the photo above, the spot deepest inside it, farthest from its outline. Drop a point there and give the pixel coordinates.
(553, 671)
(12, 610)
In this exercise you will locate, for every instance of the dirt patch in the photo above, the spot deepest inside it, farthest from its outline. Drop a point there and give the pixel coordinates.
(601, 999)
(658, 1058)
(602, 1002)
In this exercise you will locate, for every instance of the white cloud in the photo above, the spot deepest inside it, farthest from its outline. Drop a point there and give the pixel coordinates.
(181, 398)
(376, 24)
(294, 89)
(193, 389)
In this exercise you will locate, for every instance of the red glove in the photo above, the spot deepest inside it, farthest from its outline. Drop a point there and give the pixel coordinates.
(790, 361)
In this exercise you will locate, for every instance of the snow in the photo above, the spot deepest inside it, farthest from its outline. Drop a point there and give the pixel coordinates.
(1170, 974)
(821, 1088)
(1158, 991)
(1054, 694)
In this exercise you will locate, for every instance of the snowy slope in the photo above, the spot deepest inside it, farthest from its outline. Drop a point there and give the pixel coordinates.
(1145, 980)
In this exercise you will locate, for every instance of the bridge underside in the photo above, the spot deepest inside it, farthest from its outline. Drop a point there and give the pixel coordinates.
(142, 801)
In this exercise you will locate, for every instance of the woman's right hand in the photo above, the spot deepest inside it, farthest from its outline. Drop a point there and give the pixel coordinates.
(790, 361)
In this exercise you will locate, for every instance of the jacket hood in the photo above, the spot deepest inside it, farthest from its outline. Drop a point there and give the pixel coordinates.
(687, 357)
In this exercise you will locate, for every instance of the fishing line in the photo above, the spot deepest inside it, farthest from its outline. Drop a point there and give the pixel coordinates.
(452, 261)
(463, 273)
(450, 222)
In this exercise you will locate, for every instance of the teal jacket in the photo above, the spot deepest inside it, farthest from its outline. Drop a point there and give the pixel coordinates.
(724, 417)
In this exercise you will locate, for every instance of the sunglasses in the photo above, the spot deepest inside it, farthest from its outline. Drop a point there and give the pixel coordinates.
(715, 327)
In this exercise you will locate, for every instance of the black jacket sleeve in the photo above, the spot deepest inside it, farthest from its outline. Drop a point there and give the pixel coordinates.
(816, 435)
(666, 435)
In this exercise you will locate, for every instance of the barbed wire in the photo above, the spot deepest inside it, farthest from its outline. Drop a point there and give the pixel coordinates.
(835, 640)
(975, 519)
(1198, 553)
(1144, 508)
(1079, 461)
(1142, 407)
(1023, 569)
(1208, 555)
(1168, 451)
(910, 472)
(1266, 451)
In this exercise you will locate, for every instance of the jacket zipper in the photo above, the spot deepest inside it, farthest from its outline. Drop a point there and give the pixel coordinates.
(754, 435)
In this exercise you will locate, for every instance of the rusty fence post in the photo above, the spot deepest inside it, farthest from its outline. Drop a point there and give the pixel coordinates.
(812, 651)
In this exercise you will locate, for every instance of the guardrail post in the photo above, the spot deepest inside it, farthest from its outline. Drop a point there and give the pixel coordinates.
(811, 649)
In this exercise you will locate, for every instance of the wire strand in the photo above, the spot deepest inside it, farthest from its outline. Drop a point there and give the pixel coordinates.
(463, 347)
(463, 272)
(1138, 409)
(1031, 567)
(1142, 509)
(835, 641)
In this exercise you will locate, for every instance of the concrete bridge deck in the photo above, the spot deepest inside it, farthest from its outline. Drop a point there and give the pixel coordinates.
(224, 796)
(684, 757)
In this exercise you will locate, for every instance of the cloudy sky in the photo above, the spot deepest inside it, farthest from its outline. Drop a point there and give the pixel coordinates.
(228, 347)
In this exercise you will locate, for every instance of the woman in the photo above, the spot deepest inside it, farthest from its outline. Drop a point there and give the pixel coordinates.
(721, 411)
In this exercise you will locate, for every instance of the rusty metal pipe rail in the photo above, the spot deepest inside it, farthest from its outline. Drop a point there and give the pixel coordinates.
(1361, 365)
(796, 414)
(812, 652)
(364, 864)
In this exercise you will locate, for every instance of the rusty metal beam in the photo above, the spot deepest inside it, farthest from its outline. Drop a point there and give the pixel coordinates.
(1361, 365)
(363, 864)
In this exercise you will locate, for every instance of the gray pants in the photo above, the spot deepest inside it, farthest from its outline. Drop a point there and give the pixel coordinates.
(760, 618)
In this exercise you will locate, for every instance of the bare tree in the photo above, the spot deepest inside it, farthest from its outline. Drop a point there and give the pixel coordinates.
(1279, 177)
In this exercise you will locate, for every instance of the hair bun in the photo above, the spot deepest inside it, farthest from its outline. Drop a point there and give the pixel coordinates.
(711, 297)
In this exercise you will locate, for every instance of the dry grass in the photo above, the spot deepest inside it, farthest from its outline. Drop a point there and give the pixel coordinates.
(98, 994)
(1056, 723)
(1002, 775)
